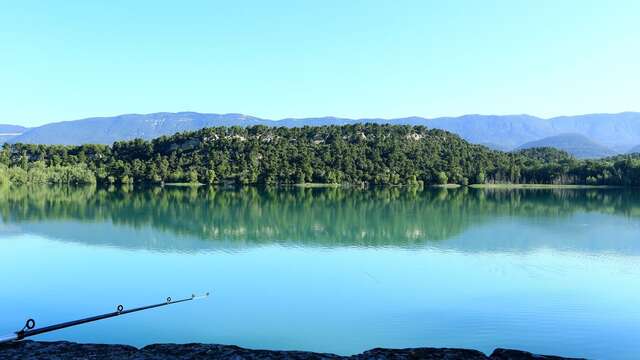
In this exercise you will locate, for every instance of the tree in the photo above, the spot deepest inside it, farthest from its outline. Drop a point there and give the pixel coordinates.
(442, 178)
(193, 176)
(211, 176)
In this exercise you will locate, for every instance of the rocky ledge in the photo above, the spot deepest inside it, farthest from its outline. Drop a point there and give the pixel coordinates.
(26, 350)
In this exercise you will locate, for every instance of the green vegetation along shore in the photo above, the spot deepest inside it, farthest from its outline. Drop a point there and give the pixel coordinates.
(364, 154)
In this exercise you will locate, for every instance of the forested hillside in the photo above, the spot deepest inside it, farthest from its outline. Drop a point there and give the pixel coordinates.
(368, 154)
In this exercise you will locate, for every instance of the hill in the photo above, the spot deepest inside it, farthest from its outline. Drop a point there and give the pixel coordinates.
(618, 132)
(575, 144)
(354, 154)
(635, 149)
(360, 155)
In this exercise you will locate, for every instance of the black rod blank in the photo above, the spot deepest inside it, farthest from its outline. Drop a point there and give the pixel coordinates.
(28, 329)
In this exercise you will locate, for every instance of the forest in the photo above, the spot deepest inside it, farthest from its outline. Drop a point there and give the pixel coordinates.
(361, 155)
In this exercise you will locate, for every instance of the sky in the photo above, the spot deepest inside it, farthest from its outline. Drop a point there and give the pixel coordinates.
(65, 60)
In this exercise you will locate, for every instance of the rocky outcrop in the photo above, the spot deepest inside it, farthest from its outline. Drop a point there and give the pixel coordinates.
(508, 354)
(32, 350)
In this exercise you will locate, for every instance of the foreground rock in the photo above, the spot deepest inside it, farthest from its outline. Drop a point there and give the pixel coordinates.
(67, 350)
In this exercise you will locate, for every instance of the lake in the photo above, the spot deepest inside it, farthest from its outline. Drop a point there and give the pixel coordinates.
(329, 270)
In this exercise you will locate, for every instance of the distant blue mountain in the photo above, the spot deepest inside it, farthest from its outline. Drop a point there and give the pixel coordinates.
(578, 145)
(619, 132)
(106, 130)
(4, 128)
(10, 131)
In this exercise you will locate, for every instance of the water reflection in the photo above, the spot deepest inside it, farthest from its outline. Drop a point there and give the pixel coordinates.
(330, 270)
(189, 219)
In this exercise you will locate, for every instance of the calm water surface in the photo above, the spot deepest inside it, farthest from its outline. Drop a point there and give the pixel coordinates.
(330, 270)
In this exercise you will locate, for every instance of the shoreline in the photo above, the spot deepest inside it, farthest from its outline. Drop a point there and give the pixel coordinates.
(327, 186)
(35, 350)
(437, 186)
(542, 186)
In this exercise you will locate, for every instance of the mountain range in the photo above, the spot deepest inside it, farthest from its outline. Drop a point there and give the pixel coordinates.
(592, 135)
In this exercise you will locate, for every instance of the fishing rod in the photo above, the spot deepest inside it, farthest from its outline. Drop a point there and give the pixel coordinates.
(29, 327)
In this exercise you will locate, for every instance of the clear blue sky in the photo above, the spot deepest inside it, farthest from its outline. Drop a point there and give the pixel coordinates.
(63, 60)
